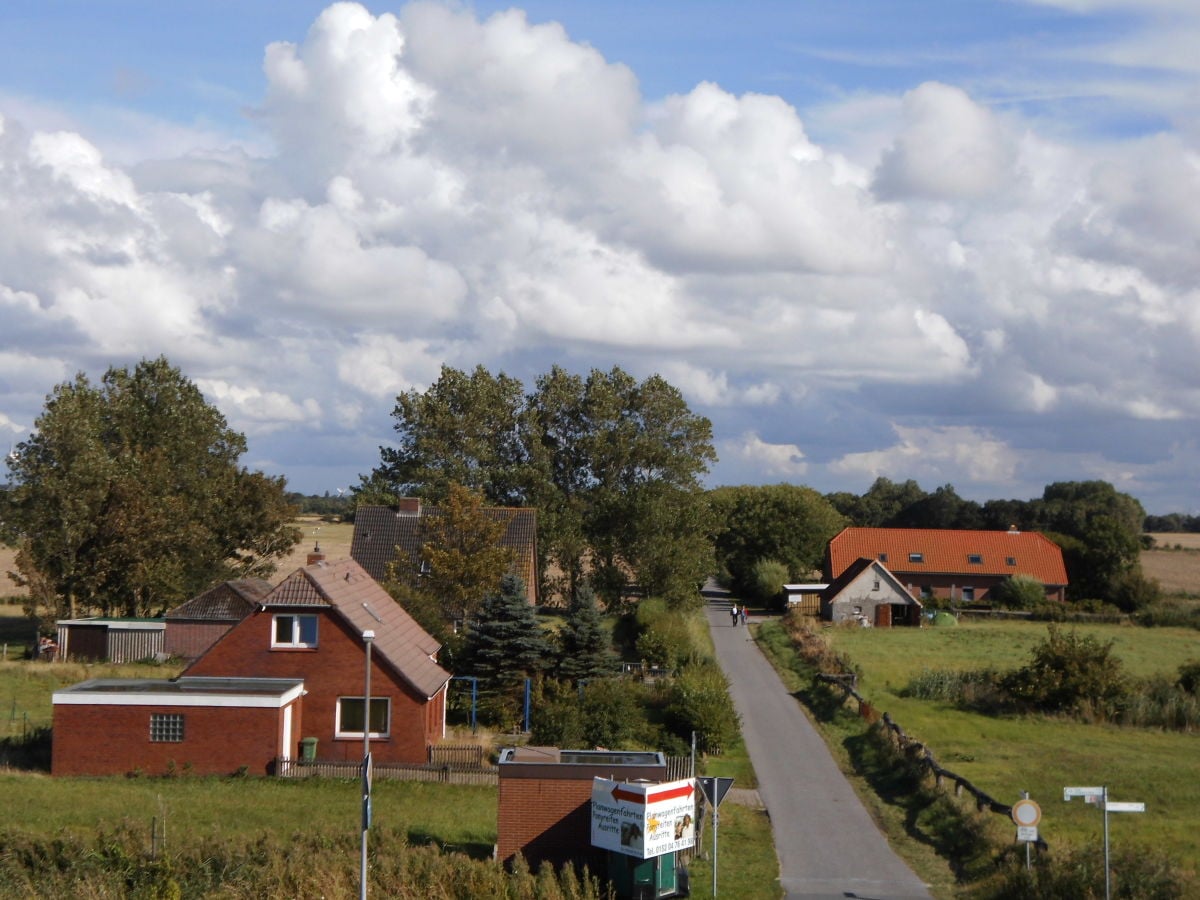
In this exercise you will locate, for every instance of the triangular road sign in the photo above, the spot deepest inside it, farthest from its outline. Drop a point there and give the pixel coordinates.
(714, 789)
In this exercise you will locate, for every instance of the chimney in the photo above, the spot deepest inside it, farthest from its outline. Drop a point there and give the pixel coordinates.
(315, 555)
(409, 506)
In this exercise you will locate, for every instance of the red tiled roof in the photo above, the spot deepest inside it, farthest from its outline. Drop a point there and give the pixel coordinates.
(949, 552)
(358, 598)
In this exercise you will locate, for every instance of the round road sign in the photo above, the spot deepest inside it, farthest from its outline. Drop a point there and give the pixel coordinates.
(1027, 813)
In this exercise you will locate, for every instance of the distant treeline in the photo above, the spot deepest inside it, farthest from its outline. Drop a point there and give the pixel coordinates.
(1177, 522)
(321, 504)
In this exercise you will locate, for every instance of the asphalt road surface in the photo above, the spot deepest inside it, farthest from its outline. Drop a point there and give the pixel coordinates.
(828, 845)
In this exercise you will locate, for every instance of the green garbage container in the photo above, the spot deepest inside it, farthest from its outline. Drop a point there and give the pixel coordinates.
(308, 749)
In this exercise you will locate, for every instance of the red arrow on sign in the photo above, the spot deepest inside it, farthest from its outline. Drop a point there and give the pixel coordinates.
(618, 794)
(685, 790)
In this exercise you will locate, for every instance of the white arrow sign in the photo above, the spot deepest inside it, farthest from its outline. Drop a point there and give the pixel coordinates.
(1069, 792)
(1110, 806)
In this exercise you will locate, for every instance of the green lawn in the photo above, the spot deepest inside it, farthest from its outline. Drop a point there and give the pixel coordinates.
(463, 817)
(1004, 756)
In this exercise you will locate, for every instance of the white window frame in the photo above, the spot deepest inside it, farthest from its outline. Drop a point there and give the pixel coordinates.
(965, 591)
(296, 642)
(337, 715)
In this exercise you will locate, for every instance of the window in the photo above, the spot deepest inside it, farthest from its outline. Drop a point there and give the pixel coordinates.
(166, 728)
(916, 557)
(975, 559)
(883, 557)
(294, 631)
(350, 717)
(968, 595)
(1010, 560)
(926, 591)
(876, 587)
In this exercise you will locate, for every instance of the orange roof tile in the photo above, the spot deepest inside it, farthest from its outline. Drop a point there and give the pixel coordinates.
(949, 552)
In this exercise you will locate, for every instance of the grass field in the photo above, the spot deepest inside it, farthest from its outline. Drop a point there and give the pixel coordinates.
(1004, 756)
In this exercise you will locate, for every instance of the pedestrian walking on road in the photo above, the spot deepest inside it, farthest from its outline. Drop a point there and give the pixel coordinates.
(733, 614)
(742, 614)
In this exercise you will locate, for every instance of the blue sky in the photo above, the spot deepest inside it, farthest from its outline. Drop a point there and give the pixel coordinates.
(946, 241)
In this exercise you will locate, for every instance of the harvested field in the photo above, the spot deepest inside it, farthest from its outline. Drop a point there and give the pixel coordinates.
(8, 562)
(1175, 562)
(334, 538)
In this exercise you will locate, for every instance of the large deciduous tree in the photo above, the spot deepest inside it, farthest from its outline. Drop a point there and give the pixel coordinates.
(129, 496)
(782, 522)
(461, 558)
(612, 465)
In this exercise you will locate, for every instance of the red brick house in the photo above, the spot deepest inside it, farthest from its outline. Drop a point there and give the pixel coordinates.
(292, 668)
(310, 627)
(957, 565)
(208, 726)
(196, 625)
(381, 532)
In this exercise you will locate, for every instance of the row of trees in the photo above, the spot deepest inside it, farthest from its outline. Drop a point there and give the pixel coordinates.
(611, 464)
(129, 496)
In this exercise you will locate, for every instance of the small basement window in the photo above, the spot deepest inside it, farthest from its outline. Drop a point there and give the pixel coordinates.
(916, 557)
(294, 631)
(975, 559)
(166, 728)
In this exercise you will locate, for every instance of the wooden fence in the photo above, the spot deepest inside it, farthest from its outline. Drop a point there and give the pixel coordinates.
(445, 774)
(921, 754)
(449, 764)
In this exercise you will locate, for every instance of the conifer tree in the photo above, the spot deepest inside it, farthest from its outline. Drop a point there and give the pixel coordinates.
(586, 650)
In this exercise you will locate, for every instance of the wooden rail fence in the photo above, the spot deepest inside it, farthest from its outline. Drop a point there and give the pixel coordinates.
(921, 754)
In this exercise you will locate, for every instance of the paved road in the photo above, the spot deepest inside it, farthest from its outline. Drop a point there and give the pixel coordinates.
(828, 845)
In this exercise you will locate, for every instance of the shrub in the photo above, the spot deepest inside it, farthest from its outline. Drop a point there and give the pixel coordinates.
(1189, 676)
(768, 576)
(1133, 591)
(1069, 673)
(699, 701)
(1019, 592)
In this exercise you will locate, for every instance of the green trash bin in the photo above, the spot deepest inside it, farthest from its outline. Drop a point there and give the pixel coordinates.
(308, 749)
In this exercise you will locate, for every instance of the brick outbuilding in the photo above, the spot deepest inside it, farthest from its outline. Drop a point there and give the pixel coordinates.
(209, 726)
(546, 795)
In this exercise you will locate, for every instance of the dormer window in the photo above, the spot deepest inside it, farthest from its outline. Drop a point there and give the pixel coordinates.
(916, 557)
(294, 631)
(975, 559)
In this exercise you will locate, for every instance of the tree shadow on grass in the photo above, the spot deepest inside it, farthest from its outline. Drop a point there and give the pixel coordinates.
(420, 837)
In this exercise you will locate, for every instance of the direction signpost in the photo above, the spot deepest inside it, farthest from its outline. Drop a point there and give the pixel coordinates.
(1099, 796)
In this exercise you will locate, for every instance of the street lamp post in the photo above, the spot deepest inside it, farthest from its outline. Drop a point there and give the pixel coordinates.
(368, 638)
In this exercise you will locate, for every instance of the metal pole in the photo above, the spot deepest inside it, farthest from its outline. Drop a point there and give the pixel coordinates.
(714, 850)
(1028, 864)
(368, 638)
(1107, 888)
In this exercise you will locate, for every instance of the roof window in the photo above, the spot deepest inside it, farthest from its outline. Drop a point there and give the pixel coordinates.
(1010, 560)
(975, 559)
(883, 557)
(916, 557)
